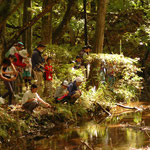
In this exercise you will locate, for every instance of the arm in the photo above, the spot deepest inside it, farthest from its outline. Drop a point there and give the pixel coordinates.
(42, 101)
(7, 79)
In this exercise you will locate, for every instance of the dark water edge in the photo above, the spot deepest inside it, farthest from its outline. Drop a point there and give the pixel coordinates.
(129, 130)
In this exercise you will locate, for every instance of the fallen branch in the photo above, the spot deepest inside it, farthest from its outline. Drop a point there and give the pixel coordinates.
(128, 107)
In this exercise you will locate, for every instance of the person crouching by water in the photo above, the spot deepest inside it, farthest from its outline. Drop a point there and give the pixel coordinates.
(31, 99)
(61, 93)
(73, 91)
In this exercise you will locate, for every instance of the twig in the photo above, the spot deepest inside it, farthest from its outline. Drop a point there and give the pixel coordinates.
(87, 145)
(147, 134)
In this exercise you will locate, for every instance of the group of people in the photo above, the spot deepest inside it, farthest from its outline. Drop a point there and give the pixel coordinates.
(18, 65)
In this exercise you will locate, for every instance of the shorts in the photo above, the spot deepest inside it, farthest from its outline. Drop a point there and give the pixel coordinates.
(26, 74)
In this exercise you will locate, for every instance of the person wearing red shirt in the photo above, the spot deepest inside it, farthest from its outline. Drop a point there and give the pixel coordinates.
(48, 77)
(19, 66)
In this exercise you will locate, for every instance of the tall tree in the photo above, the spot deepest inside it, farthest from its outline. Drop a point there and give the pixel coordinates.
(30, 23)
(47, 25)
(100, 25)
(5, 8)
(59, 31)
(85, 23)
(27, 35)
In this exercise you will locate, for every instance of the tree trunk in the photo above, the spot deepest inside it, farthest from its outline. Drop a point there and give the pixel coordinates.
(4, 12)
(72, 36)
(2, 42)
(27, 35)
(58, 33)
(47, 25)
(29, 24)
(94, 76)
(100, 24)
(85, 24)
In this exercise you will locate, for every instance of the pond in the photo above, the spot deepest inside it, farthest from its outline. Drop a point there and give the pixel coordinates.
(125, 130)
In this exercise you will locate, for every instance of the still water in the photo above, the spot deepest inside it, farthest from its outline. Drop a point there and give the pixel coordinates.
(124, 130)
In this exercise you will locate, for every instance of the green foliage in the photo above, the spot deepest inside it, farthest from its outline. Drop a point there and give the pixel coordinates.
(9, 124)
(128, 84)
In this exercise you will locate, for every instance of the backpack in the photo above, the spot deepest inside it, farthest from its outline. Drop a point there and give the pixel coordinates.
(11, 51)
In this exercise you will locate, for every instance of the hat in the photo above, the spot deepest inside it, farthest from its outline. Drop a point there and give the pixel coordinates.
(23, 53)
(41, 45)
(65, 83)
(89, 46)
(78, 57)
(79, 79)
(20, 44)
(84, 47)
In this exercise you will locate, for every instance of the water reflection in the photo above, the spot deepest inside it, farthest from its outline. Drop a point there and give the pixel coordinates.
(120, 132)
(112, 134)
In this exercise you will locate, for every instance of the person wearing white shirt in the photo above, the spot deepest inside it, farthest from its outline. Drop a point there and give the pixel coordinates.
(31, 99)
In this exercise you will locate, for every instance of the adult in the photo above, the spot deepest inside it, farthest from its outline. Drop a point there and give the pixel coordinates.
(15, 49)
(37, 66)
(74, 91)
(31, 99)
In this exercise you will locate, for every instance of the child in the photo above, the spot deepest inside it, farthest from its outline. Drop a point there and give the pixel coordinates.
(8, 73)
(110, 74)
(61, 92)
(48, 77)
(77, 64)
(103, 72)
(26, 70)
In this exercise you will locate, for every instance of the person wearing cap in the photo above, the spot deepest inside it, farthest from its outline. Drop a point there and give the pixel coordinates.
(74, 91)
(61, 92)
(84, 64)
(15, 49)
(37, 66)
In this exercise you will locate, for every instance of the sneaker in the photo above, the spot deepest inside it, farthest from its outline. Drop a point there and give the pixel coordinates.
(2, 100)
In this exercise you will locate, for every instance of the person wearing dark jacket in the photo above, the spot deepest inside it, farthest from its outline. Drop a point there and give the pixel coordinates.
(37, 66)
(74, 91)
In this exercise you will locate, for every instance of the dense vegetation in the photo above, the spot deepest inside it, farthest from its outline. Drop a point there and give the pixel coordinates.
(60, 25)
